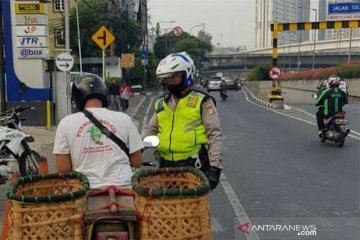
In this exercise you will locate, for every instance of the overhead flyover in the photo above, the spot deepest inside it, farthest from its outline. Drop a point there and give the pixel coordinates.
(282, 27)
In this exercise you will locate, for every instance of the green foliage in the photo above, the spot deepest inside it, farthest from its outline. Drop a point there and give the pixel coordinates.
(260, 72)
(167, 43)
(137, 73)
(347, 71)
(92, 15)
(151, 71)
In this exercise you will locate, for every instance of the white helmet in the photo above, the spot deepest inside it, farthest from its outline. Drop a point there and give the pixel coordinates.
(334, 80)
(177, 62)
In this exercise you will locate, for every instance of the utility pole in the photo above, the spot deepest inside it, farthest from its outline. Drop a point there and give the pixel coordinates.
(67, 47)
(146, 42)
(2, 65)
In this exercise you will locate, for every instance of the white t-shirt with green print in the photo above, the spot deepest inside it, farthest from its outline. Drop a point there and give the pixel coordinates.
(92, 153)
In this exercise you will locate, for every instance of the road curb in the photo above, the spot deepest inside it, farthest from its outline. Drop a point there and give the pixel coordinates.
(262, 102)
(257, 100)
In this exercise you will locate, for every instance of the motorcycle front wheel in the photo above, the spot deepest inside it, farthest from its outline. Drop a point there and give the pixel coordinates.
(29, 163)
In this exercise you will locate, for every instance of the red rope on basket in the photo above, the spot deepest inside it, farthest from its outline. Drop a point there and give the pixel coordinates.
(109, 204)
(140, 215)
(117, 190)
(80, 220)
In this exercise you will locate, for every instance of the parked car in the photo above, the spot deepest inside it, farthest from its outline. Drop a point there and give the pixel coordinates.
(213, 83)
(137, 90)
(231, 84)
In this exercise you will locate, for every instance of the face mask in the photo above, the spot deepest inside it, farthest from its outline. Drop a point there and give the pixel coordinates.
(176, 89)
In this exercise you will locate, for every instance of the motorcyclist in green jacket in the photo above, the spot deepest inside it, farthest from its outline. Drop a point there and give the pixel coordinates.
(330, 101)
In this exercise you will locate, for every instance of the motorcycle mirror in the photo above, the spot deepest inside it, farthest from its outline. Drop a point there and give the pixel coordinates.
(151, 141)
(22, 87)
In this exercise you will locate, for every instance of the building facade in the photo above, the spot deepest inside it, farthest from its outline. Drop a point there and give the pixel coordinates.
(280, 11)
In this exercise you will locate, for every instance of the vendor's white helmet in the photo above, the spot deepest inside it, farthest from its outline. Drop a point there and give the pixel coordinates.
(177, 62)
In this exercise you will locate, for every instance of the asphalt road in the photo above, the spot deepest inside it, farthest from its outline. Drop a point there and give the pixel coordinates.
(278, 178)
(277, 175)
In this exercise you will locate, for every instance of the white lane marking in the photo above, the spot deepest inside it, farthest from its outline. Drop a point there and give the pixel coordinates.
(296, 118)
(147, 113)
(139, 105)
(312, 115)
(237, 207)
(216, 226)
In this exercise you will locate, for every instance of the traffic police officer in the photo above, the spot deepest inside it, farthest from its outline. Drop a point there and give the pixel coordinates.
(186, 120)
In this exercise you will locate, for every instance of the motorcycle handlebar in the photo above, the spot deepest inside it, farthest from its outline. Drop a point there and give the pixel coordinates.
(17, 109)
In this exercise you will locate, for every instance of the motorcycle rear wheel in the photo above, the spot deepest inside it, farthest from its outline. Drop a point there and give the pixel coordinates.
(340, 141)
(24, 161)
(322, 138)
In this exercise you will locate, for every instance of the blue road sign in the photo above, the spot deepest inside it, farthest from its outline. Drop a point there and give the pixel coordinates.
(144, 52)
(344, 8)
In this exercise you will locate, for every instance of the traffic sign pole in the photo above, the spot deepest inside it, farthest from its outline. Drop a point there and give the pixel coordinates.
(103, 60)
(275, 74)
(103, 38)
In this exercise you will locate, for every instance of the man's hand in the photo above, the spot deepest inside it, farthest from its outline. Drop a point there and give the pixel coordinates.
(214, 177)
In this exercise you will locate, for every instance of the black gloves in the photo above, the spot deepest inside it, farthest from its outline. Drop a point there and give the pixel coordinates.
(214, 177)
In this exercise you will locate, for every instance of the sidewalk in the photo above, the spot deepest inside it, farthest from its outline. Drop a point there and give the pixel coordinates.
(44, 143)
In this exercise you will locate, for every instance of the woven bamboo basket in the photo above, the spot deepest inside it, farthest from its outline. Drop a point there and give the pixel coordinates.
(45, 207)
(172, 203)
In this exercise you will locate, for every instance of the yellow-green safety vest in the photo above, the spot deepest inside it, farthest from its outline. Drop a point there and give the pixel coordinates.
(181, 132)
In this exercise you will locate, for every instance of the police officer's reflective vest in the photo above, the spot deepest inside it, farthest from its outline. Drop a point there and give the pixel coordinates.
(181, 132)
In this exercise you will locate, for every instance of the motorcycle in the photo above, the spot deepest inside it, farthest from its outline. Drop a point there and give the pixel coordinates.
(111, 212)
(12, 139)
(335, 129)
(223, 94)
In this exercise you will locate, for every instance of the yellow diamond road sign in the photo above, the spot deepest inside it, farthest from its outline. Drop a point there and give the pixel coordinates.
(103, 37)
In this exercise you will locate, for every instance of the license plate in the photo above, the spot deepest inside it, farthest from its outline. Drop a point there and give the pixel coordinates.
(341, 121)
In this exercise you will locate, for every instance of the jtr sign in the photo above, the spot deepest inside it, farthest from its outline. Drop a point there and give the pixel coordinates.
(31, 41)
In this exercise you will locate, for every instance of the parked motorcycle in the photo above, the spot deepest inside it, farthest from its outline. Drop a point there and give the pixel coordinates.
(336, 129)
(12, 139)
(111, 212)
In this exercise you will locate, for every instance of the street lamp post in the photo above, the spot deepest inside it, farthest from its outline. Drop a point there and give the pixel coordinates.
(199, 25)
(316, 15)
(349, 52)
(157, 31)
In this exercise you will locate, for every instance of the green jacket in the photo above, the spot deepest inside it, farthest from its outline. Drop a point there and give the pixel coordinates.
(181, 132)
(332, 99)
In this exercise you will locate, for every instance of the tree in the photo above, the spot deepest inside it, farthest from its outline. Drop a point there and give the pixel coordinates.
(260, 72)
(92, 15)
(205, 37)
(197, 49)
(137, 72)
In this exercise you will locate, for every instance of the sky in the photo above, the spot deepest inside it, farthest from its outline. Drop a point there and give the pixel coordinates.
(230, 22)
